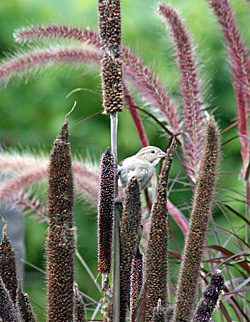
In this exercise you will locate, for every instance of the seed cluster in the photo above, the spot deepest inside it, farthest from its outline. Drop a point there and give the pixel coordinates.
(106, 211)
(157, 260)
(110, 35)
(60, 242)
(112, 84)
(131, 220)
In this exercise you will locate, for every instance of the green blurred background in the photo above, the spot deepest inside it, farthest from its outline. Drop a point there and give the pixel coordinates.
(32, 110)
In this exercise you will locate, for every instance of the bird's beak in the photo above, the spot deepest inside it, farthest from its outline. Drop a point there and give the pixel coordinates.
(162, 154)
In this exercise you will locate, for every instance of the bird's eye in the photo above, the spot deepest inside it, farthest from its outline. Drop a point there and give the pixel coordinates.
(152, 151)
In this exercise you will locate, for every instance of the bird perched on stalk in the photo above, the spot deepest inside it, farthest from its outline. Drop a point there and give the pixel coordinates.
(140, 165)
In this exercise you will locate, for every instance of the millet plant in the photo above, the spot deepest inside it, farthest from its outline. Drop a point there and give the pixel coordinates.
(137, 246)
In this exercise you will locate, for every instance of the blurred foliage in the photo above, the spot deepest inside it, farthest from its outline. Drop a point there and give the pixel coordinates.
(32, 110)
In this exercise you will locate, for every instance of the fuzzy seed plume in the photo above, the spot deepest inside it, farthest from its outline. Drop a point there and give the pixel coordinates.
(210, 298)
(23, 305)
(112, 84)
(60, 241)
(7, 308)
(136, 282)
(106, 208)
(8, 265)
(131, 220)
(157, 255)
(192, 256)
(110, 26)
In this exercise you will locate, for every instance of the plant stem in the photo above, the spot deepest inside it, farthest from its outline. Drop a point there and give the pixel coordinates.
(116, 257)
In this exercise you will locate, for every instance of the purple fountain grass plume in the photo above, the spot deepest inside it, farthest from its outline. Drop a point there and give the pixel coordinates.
(141, 77)
(57, 32)
(86, 180)
(10, 188)
(31, 204)
(20, 63)
(240, 65)
(192, 114)
(27, 170)
(136, 116)
(151, 92)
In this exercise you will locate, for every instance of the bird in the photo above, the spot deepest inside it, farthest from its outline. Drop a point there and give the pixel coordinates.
(140, 165)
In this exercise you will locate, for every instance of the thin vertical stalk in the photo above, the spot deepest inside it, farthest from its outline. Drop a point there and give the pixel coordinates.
(116, 236)
(113, 129)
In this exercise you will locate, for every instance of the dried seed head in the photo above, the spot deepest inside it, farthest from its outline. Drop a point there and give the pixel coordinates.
(131, 220)
(210, 298)
(112, 85)
(107, 184)
(110, 26)
(157, 259)
(23, 304)
(7, 308)
(8, 265)
(136, 281)
(60, 241)
(190, 265)
(60, 188)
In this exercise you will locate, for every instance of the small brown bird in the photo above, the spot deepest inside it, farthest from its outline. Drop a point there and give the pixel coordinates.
(140, 165)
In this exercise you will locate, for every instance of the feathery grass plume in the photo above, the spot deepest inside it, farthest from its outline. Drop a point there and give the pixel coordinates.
(210, 298)
(60, 240)
(192, 113)
(136, 116)
(142, 77)
(136, 282)
(33, 59)
(39, 32)
(79, 306)
(157, 248)
(110, 26)
(240, 65)
(159, 313)
(23, 305)
(7, 308)
(8, 265)
(131, 220)
(112, 84)
(192, 255)
(106, 208)
(10, 188)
